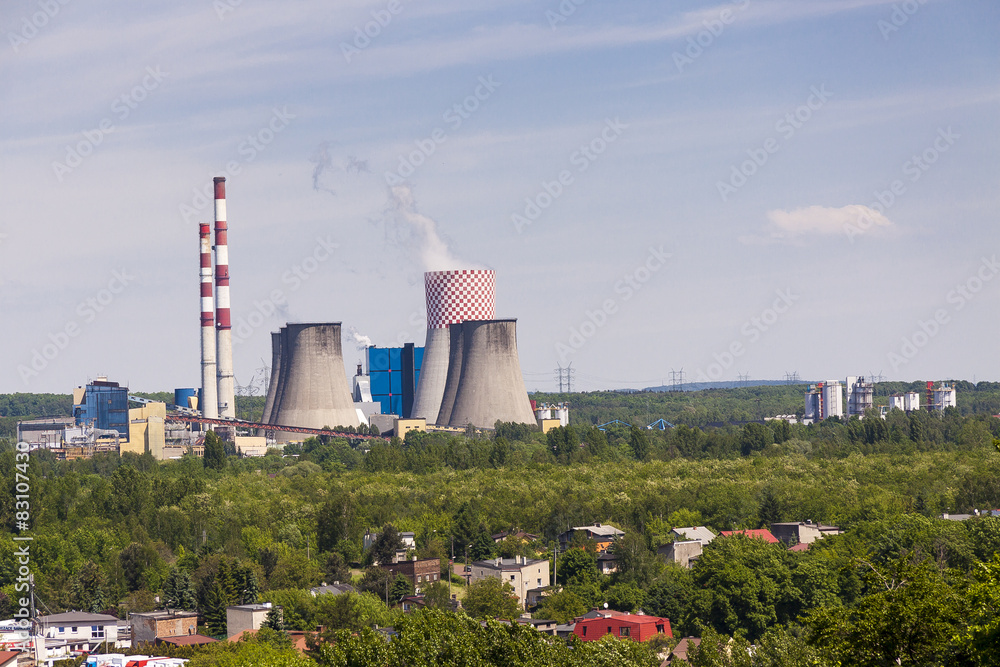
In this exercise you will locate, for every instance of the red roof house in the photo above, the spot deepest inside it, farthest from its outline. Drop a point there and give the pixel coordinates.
(758, 534)
(637, 627)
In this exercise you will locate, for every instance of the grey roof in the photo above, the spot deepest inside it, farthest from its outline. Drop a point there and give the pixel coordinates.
(78, 618)
(699, 533)
(507, 563)
(603, 530)
(332, 589)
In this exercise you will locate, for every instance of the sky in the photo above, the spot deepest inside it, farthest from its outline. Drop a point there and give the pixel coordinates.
(724, 189)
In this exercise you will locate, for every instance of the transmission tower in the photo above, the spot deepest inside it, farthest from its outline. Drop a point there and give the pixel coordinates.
(676, 380)
(565, 375)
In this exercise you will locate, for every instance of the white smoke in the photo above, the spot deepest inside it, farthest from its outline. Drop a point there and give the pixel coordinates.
(434, 252)
(360, 340)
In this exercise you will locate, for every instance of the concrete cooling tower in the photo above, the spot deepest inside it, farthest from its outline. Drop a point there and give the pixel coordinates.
(311, 390)
(452, 297)
(490, 385)
(272, 384)
(456, 347)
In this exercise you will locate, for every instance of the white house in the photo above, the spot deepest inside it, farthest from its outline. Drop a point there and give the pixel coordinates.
(521, 573)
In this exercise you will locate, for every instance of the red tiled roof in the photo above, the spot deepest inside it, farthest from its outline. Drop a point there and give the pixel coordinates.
(7, 656)
(799, 547)
(758, 533)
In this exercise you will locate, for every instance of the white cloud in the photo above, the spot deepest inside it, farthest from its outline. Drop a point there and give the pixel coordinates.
(849, 221)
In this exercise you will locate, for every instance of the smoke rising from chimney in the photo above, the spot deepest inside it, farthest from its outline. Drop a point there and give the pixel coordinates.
(360, 340)
(434, 252)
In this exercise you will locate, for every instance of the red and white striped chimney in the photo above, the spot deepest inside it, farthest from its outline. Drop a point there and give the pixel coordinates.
(209, 404)
(227, 384)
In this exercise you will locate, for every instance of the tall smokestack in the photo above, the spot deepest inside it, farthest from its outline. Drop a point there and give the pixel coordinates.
(209, 405)
(452, 297)
(227, 384)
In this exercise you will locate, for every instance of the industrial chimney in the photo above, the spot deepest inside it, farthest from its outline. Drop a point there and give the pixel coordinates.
(209, 405)
(312, 390)
(452, 297)
(491, 385)
(227, 383)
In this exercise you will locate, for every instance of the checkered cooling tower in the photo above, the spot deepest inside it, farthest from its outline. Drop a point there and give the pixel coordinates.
(456, 296)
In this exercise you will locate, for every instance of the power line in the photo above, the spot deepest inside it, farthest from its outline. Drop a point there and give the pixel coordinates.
(567, 374)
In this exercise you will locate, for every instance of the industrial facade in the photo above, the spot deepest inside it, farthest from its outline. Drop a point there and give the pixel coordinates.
(103, 405)
(394, 375)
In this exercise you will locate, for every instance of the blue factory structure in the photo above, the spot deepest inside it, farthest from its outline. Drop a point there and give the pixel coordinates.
(394, 373)
(102, 404)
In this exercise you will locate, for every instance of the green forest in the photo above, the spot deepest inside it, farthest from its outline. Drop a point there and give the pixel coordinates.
(900, 586)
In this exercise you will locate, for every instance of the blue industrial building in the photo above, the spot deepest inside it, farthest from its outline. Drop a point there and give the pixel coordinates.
(394, 373)
(102, 404)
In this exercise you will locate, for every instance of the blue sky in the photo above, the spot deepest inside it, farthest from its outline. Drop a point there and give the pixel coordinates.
(739, 187)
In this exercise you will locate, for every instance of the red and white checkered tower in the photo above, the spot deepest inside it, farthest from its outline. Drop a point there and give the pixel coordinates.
(209, 404)
(227, 383)
(452, 297)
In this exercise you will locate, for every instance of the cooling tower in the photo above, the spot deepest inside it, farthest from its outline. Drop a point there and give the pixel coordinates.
(491, 385)
(456, 343)
(452, 297)
(312, 390)
(272, 384)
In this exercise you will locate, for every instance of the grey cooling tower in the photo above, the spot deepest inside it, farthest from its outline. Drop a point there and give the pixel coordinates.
(491, 385)
(452, 297)
(272, 385)
(456, 343)
(312, 390)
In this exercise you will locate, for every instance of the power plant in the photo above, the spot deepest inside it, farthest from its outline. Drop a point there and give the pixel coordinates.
(490, 385)
(452, 297)
(227, 382)
(311, 389)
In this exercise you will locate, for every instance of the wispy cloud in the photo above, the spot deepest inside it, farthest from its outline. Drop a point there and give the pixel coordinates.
(810, 222)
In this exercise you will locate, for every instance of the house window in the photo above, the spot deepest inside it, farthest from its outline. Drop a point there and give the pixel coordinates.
(512, 577)
(418, 579)
(539, 581)
(585, 631)
(97, 632)
(62, 629)
(659, 628)
(73, 630)
(623, 632)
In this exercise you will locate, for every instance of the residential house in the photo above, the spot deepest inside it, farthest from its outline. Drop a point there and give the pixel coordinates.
(603, 536)
(409, 539)
(637, 627)
(336, 588)
(683, 553)
(76, 632)
(757, 534)
(240, 618)
(802, 532)
(683, 650)
(700, 533)
(149, 626)
(9, 658)
(522, 573)
(518, 534)
(545, 626)
(419, 572)
(607, 563)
